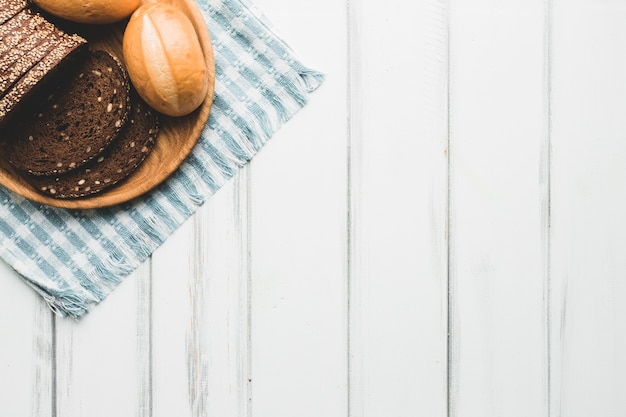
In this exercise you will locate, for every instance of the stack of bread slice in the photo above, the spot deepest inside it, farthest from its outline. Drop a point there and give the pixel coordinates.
(31, 49)
(76, 132)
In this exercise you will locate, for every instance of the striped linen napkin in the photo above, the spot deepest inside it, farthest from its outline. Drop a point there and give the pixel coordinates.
(74, 258)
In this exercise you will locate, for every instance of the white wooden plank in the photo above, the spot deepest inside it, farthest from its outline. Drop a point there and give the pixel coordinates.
(499, 208)
(200, 311)
(222, 311)
(43, 384)
(172, 267)
(99, 363)
(298, 232)
(143, 376)
(398, 189)
(26, 349)
(588, 313)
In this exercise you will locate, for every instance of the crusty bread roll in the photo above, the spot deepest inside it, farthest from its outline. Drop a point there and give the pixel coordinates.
(165, 60)
(89, 11)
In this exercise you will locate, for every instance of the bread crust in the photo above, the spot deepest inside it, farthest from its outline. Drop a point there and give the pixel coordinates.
(69, 46)
(117, 162)
(75, 120)
(89, 11)
(164, 59)
(29, 50)
(9, 8)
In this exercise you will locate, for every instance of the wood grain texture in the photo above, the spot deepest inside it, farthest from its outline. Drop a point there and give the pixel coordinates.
(298, 234)
(498, 209)
(220, 337)
(172, 270)
(26, 350)
(458, 253)
(100, 362)
(177, 135)
(200, 348)
(398, 193)
(588, 313)
(143, 348)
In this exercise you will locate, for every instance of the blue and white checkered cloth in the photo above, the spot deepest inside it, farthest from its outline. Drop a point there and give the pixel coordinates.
(74, 258)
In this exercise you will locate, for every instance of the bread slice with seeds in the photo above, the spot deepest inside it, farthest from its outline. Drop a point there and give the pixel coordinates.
(19, 28)
(9, 8)
(63, 54)
(26, 55)
(75, 121)
(118, 161)
(30, 48)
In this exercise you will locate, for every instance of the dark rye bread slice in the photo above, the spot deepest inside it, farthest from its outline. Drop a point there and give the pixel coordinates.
(9, 8)
(75, 119)
(63, 54)
(31, 29)
(26, 55)
(18, 28)
(118, 161)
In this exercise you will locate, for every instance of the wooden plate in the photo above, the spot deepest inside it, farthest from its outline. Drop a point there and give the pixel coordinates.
(177, 135)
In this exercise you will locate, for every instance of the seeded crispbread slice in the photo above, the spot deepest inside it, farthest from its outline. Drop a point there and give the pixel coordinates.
(118, 161)
(76, 119)
(9, 8)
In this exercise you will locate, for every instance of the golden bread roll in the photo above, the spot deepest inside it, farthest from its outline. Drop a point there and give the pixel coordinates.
(89, 11)
(165, 60)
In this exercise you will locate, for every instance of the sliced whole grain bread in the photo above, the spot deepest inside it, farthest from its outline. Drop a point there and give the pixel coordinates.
(75, 119)
(9, 8)
(64, 53)
(19, 28)
(26, 55)
(30, 48)
(118, 161)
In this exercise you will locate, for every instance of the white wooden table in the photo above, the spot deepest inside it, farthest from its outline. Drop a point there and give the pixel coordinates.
(441, 232)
